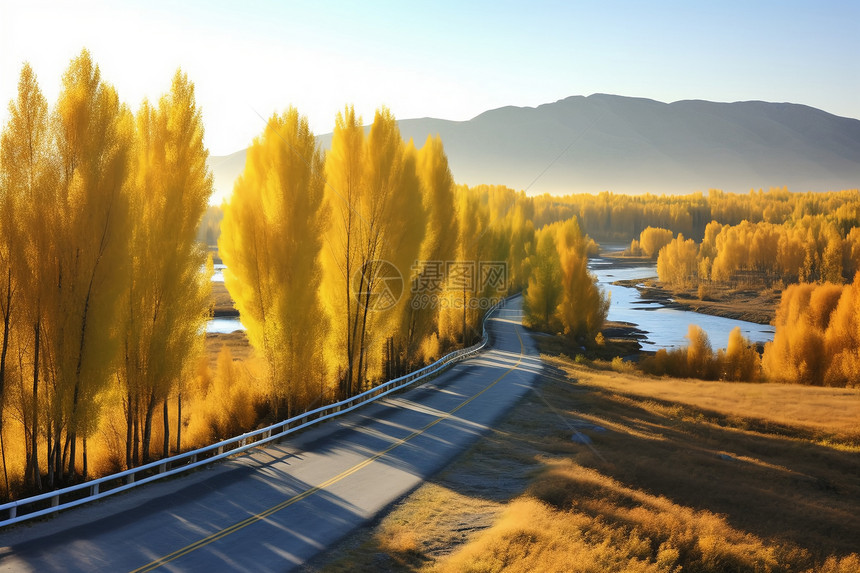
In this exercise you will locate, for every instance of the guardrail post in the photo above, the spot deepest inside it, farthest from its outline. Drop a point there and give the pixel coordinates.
(129, 479)
(55, 501)
(194, 458)
(162, 468)
(13, 512)
(220, 450)
(94, 489)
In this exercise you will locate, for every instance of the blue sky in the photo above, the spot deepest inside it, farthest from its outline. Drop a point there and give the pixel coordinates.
(438, 59)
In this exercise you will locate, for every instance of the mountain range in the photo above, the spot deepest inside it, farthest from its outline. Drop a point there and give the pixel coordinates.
(635, 145)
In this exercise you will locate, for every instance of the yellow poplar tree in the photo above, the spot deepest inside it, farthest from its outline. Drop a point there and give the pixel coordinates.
(677, 262)
(397, 223)
(583, 306)
(344, 194)
(545, 289)
(842, 338)
(740, 361)
(652, 239)
(94, 139)
(438, 249)
(169, 288)
(376, 231)
(27, 219)
(271, 238)
(475, 245)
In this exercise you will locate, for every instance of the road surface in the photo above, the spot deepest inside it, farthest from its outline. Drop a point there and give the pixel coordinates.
(275, 507)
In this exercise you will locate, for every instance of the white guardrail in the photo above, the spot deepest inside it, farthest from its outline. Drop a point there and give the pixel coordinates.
(72, 496)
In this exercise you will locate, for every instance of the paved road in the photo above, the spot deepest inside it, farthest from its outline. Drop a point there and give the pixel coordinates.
(276, 507)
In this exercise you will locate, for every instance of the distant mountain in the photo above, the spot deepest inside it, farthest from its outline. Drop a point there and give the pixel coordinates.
(634, 145)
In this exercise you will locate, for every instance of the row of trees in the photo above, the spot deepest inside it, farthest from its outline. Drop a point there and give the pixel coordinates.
(810, 249)
(611, 217)
(106, 287)
(814, 252)
(373, 249)
(817, 342)
(738, 362)
(103, 296)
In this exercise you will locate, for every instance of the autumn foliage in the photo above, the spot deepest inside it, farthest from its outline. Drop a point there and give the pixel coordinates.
(105, 288)
(348, 267)
(676, 262)
(738, 362)
(817, 338)
(650, 241)
(271, 243)
(562, 295)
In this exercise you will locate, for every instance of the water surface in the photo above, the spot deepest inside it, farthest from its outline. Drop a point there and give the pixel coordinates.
(666, 327)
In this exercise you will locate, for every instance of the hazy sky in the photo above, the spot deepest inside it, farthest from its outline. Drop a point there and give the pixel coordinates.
(438, 59)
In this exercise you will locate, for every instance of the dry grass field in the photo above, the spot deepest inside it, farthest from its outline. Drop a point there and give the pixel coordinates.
(677, 475)
(237, 342)
(222, 302)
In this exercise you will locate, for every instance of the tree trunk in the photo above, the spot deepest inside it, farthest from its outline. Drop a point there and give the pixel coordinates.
(346, 381)
(135, 445)
(465, 344)
(179, 422)
(165, 450)
(3, 448)
(6, 318)
(49, 459)
(72, 438)
(35, 477)
(57, 461)
(73, 421)
(147, 429)
(129, 428)
(84, 441)
(65, 457)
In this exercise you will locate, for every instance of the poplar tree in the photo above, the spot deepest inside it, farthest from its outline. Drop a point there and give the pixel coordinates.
(169, 282)
(377, 226)
(271, 238)
(544, 290)
(583, 306)
(94, 139)
(438, 248)
(27, 219)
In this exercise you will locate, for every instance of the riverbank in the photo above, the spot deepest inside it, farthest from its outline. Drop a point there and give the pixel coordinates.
(222, 303)
(749, 303)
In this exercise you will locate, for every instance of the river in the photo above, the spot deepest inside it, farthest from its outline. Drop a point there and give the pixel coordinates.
(665, 327)
(222, 324)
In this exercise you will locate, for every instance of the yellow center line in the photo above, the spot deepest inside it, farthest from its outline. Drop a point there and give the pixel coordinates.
(309, 492)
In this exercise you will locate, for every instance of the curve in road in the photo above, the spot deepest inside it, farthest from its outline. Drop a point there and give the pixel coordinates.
(278, 506)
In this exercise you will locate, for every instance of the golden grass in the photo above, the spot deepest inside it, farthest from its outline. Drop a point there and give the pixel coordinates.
(237, 342)
(222, 302)
(831, 414)
(413, 533)
(701, 478)
(576, 519)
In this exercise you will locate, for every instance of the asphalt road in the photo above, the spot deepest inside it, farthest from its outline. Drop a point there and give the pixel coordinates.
(276, 507)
